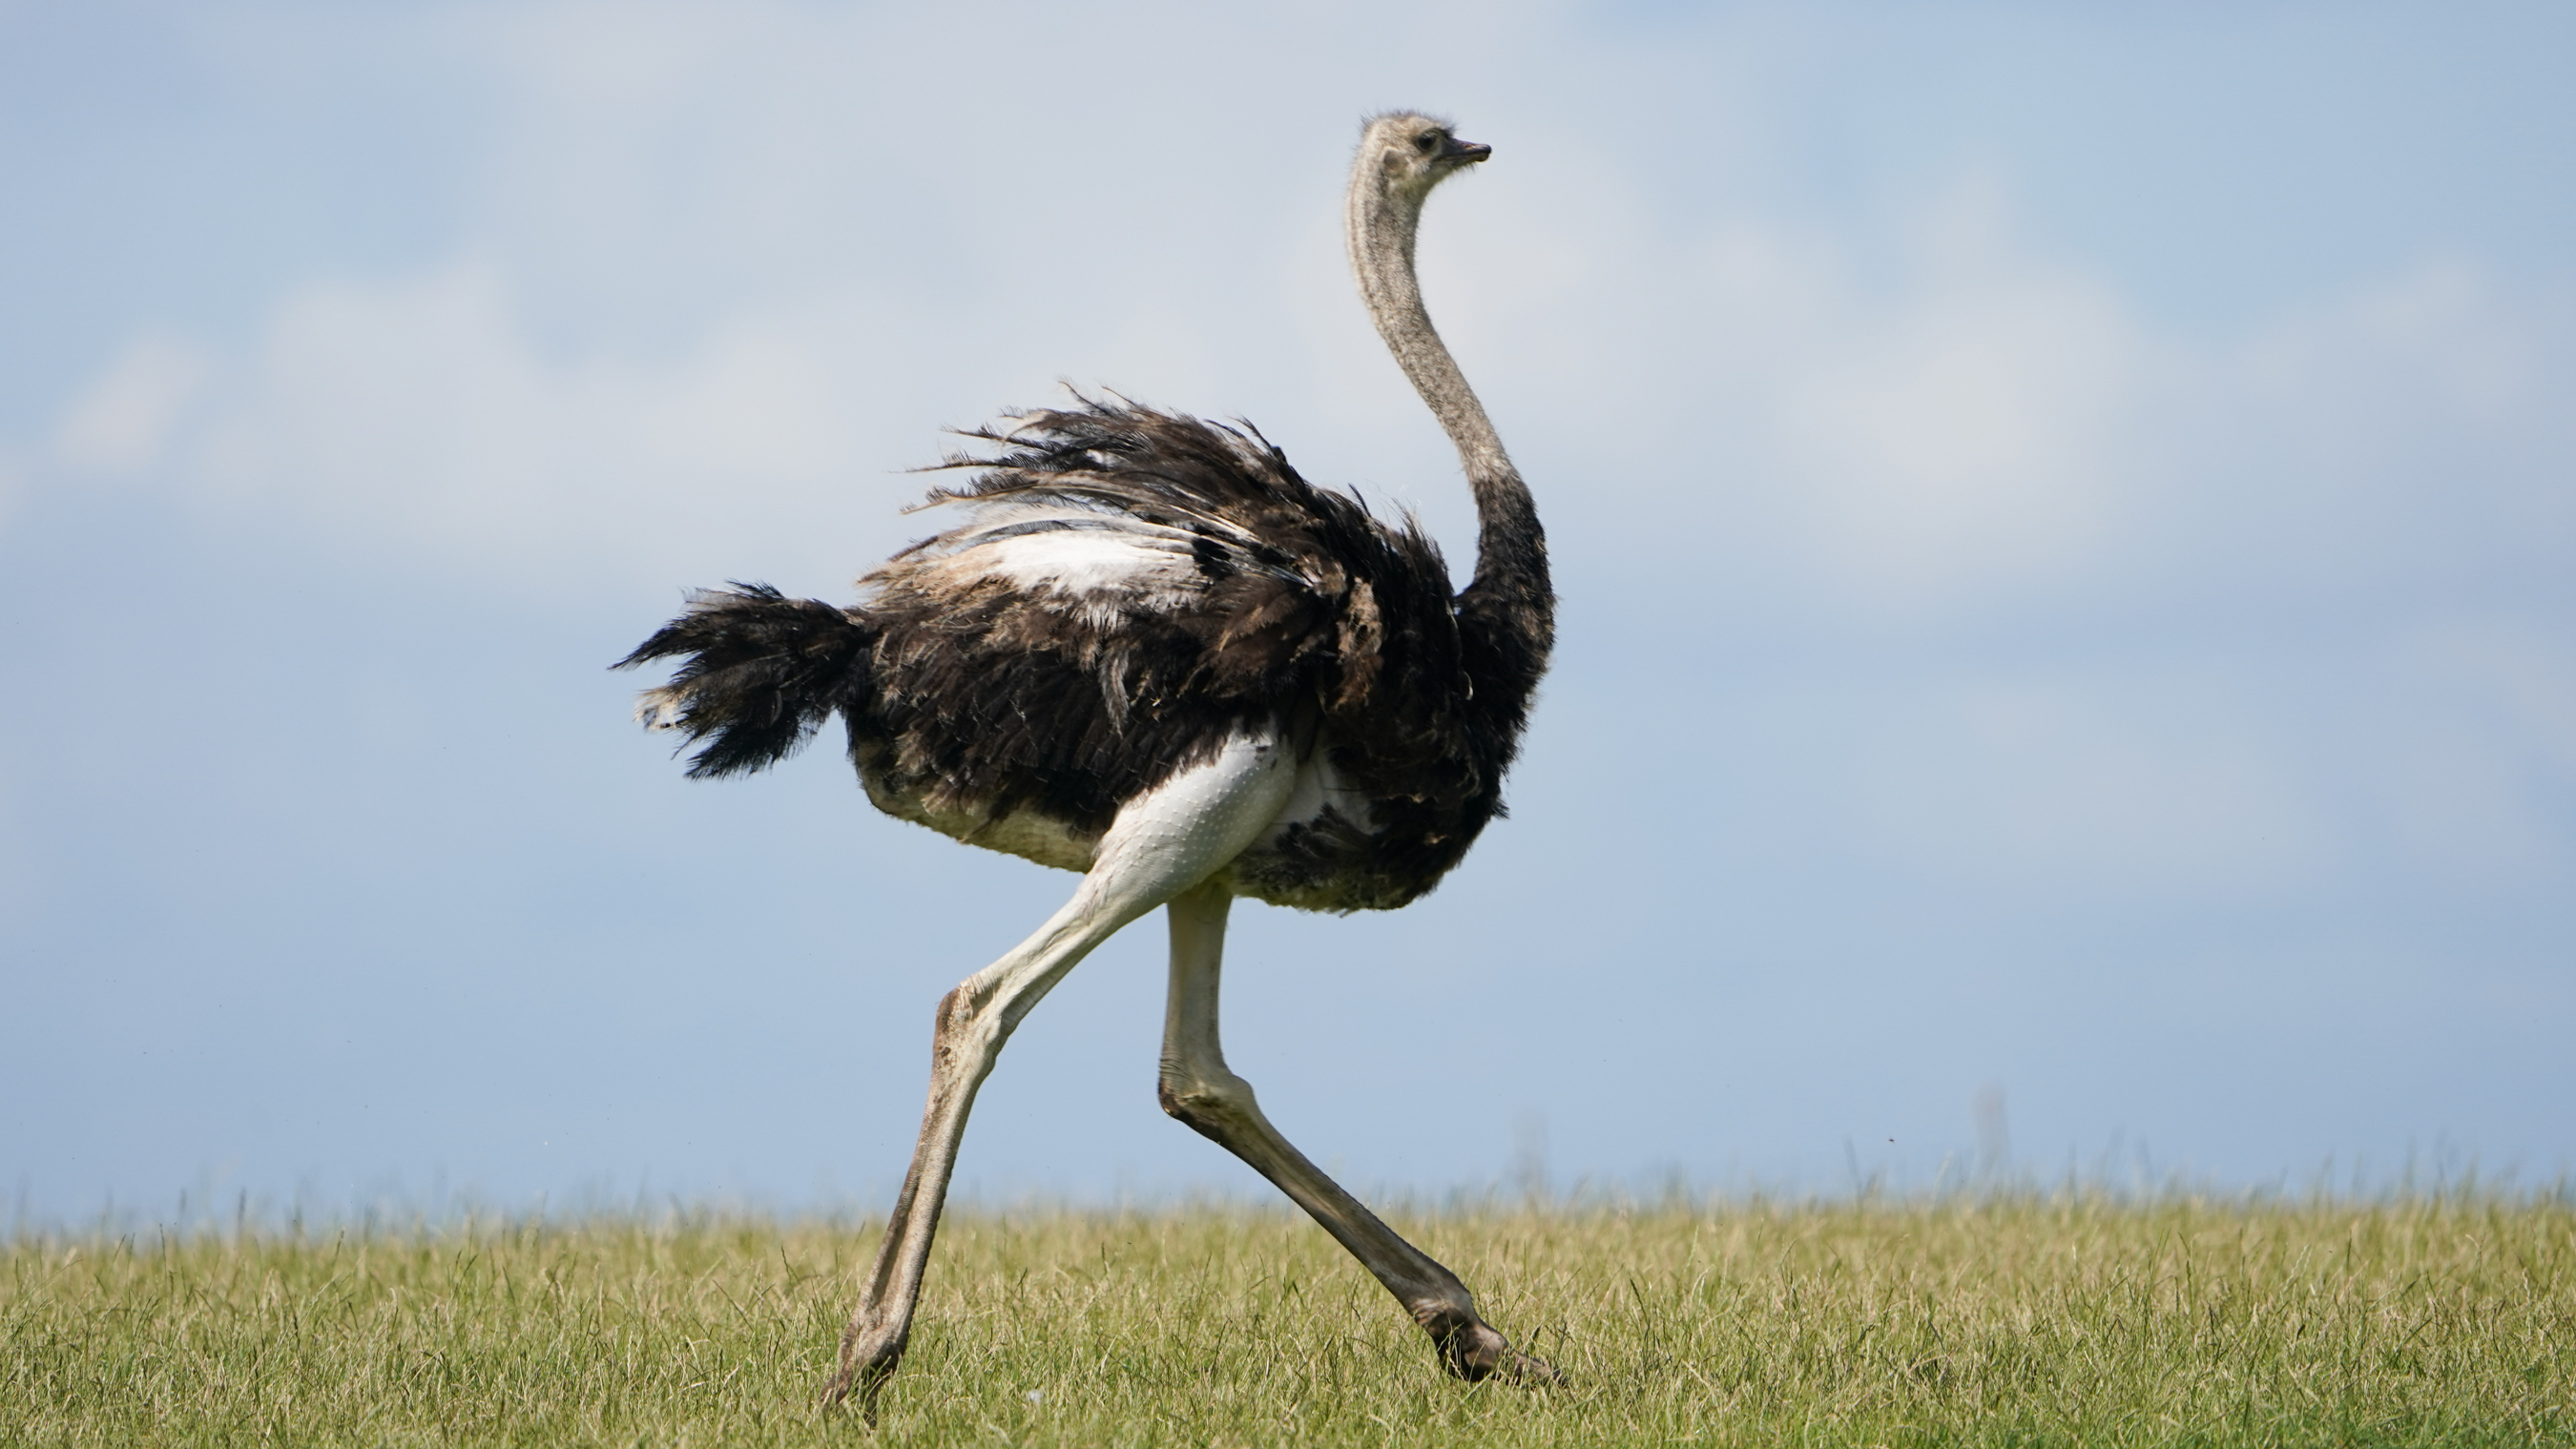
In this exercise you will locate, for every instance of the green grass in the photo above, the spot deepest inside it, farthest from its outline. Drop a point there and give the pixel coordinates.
(2022, 1320)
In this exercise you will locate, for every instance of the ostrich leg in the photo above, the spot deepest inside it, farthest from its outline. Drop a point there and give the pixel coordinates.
(1163, 843)
(1197, 1088)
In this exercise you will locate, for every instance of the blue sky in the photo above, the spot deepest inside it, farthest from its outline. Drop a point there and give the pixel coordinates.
(2062, 516)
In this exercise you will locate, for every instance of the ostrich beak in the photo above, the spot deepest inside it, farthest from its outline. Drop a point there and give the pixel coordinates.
(1466, 153)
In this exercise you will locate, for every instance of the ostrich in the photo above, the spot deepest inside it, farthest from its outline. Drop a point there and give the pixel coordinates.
(1155, 655)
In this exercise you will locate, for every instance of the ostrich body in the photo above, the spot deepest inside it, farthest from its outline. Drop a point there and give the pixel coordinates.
(1155, 655)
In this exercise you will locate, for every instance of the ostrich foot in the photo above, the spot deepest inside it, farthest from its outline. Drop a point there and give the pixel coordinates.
(864, 1369)
(1473, 1351)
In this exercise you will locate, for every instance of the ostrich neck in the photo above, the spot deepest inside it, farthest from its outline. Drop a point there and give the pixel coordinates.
(1511, 549)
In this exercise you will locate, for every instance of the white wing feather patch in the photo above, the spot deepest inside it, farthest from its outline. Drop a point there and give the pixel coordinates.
(1077, 561)
(1098, 559)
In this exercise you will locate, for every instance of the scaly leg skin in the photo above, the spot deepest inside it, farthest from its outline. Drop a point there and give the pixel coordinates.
(1197, 1088)
(1163, 843)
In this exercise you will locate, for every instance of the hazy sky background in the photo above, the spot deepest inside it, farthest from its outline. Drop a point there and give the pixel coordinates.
(2064, 518)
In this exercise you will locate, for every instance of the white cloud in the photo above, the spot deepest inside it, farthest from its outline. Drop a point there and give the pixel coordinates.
(422, 413)
(1964, 438)
(122, 423)
(1907, 418)
(2420, 382)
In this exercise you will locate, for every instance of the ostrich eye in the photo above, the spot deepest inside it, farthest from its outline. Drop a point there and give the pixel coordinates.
(1427, 142)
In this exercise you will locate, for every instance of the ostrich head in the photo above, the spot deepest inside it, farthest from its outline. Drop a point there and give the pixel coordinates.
(1412, 154)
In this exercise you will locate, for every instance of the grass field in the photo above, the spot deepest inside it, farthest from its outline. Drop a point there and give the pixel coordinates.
(2024, 1320)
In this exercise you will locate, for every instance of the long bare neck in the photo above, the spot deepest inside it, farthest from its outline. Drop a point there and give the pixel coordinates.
(1511, 549)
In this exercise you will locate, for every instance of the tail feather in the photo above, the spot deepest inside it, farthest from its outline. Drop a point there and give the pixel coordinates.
(759, 673)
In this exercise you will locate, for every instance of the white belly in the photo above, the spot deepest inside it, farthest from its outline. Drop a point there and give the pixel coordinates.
(1027, 834)
(1034, 835)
